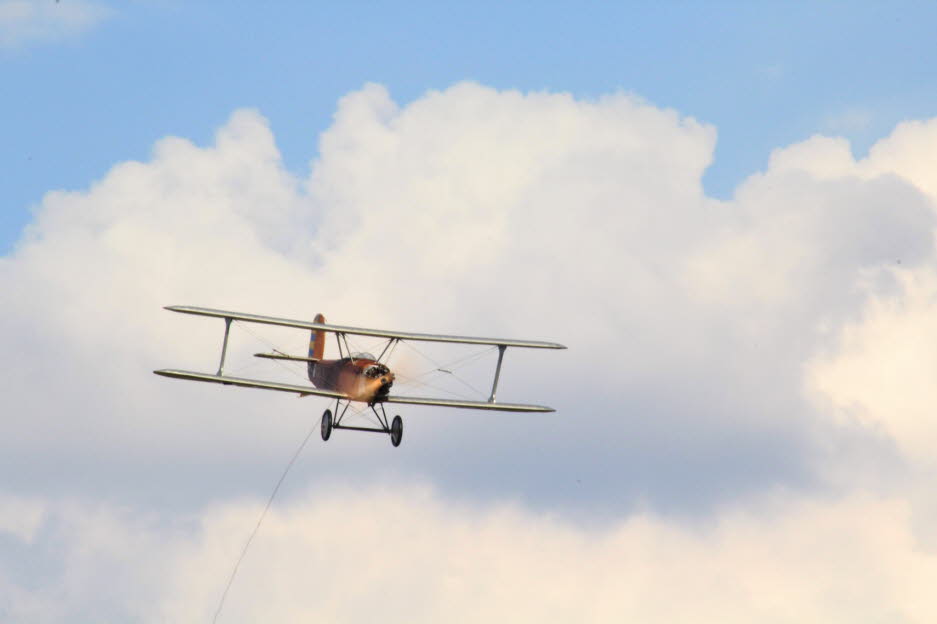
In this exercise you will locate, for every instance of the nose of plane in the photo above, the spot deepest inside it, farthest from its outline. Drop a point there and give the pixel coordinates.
(386, 382)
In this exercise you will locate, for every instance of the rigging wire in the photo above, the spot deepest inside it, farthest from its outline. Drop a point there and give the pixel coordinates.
(452, 364)
(449, 391)
(393, 348)
(292, 370)
(417, 384)
(448, 368)
(364, 414)
(261, 519)
(414, 381)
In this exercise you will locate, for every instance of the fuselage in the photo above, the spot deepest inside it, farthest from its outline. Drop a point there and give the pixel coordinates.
(359, 378)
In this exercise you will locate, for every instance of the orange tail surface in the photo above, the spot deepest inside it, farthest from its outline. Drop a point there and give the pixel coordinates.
(317, 340)
(316, 344)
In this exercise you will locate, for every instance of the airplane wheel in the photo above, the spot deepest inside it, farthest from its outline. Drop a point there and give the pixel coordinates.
(396, 430)
(326, 424)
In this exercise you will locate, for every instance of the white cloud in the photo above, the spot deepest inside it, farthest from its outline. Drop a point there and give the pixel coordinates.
(20, 517)
(883, 373)
(880, 368)
(906, 153)
(36, 21)
(718, 351)
(409, 556)
(468, 211)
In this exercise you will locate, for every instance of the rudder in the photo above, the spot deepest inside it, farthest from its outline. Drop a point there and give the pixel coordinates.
(316, 344)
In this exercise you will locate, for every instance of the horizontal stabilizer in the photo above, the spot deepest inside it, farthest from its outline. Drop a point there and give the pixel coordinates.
(483, 405)
(283, 356)
(248, 383)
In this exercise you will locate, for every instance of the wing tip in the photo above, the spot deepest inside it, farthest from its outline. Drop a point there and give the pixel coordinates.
(184, 309)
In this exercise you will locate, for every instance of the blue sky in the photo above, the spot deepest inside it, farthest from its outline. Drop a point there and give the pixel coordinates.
(765, 74)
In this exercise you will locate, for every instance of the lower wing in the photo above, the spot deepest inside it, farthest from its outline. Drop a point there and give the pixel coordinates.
(309, 390)
(484, 405)
(249, 383)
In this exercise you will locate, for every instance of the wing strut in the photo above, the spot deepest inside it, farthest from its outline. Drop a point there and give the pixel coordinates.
(392, 341)
(224, 345)
(494, 386)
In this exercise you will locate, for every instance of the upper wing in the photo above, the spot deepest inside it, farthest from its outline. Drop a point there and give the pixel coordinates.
(248, 383)
(484, 405)
(358, 331)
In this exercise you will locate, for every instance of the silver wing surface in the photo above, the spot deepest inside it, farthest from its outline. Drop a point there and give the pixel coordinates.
(309, 390)
(248, 383)
(484, 405)
(360, 331)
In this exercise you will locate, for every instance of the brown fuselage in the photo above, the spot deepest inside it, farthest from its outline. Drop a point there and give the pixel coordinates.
(360, 379)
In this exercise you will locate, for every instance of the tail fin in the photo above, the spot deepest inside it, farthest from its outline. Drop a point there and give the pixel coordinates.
(316, 344)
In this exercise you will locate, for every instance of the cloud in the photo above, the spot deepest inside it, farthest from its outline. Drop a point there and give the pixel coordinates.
(878, 369)
(690, 321)
(408, 555)
(884, 369)
(23, 22)
(743, 413)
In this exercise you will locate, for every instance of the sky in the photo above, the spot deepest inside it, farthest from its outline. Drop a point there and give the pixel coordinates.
(725, 210)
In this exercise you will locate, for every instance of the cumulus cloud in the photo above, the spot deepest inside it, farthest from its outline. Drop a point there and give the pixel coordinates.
(722, 354)
(410, 556)
(885, 366)
(471, 210)
(23, 22)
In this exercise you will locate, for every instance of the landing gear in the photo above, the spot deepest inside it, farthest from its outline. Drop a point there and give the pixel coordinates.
(393, 428)
(326, 424)
(396, 431)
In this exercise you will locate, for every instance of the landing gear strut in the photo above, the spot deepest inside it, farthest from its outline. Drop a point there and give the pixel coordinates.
(393, 428)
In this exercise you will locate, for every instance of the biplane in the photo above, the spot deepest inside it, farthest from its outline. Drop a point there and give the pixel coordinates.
(353, 377)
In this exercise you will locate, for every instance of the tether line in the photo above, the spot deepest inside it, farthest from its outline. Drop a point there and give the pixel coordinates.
(261, 519)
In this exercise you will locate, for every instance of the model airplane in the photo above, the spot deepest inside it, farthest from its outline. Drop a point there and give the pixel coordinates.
(356, 377)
